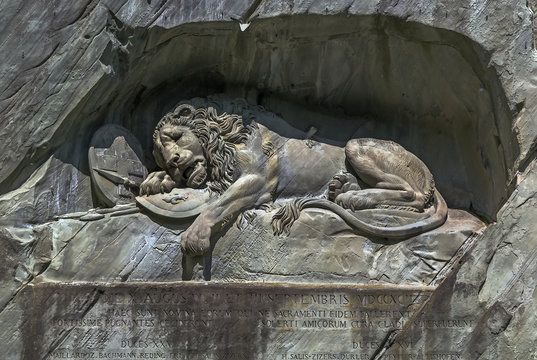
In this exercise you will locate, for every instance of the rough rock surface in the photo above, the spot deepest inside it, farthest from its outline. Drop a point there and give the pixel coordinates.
(494, 287)
(320, 248)
(454, 81)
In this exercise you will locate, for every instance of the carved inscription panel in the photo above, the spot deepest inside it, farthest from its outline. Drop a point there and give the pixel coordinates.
(224, 321)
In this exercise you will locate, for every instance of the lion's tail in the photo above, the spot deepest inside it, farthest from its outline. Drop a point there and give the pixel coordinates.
(434, 217)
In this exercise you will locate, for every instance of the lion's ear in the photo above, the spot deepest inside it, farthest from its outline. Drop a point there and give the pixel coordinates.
(184, 111)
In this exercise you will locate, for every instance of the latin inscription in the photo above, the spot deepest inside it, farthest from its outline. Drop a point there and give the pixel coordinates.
(231, 321)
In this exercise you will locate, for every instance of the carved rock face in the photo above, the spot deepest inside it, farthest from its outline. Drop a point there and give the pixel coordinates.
(182, 155)
(456, 82)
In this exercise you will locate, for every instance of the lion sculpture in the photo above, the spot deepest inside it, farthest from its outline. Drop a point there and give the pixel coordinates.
(250, 166)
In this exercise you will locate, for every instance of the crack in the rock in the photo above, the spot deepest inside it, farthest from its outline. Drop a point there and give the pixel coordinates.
(456, 259)
(252, 11)
(149, 244)
(45, 58)
(65, 245)
(91, 301)
(157, 14)
(385, 344)
(15, 295)
(530, 260)
(82, 14)
(32, 277)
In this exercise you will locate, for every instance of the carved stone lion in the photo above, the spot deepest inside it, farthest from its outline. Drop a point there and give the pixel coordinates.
(249, 166)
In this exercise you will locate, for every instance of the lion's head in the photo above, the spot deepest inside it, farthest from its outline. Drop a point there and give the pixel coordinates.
(196, 147)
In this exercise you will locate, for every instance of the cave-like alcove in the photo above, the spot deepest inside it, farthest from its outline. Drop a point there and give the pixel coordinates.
(429, 89)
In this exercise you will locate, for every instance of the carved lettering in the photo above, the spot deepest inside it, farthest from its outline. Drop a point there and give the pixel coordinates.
(182, 322)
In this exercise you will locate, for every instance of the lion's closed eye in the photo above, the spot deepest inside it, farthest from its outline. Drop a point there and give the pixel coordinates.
(174, 135)
(171, 137)
(165, 138)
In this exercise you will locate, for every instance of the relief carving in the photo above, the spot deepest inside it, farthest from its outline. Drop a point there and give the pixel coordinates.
(240, 167)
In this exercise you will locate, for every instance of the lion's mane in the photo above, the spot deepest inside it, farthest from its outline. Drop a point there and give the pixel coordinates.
(218, 135)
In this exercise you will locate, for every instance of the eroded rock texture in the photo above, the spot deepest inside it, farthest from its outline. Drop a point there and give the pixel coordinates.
(452, 81)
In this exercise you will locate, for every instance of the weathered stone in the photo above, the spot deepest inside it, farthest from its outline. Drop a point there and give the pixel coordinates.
(181, 321)
(451, 81)
(55, 188)
(495, 282)
(136, 248)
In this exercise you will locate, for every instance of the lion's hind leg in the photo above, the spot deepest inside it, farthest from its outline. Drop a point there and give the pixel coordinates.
(379, 167)
(378, 198)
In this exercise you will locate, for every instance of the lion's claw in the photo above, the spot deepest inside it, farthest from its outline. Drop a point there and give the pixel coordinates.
(340, 184)
(157, 182)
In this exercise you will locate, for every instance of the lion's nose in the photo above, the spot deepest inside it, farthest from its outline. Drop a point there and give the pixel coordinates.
(174, 161)
(179, 159)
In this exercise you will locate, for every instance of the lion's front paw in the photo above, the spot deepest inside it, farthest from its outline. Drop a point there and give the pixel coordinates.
(340, 184)
(196, 239)
(158, 182)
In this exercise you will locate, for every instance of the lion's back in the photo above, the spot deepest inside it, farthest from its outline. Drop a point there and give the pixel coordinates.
(392, 158)
(306, 167)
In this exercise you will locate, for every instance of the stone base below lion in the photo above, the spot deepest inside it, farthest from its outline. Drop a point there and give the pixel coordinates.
(320, 248)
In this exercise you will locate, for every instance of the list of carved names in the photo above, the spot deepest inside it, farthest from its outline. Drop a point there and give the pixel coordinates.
(244, 322)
